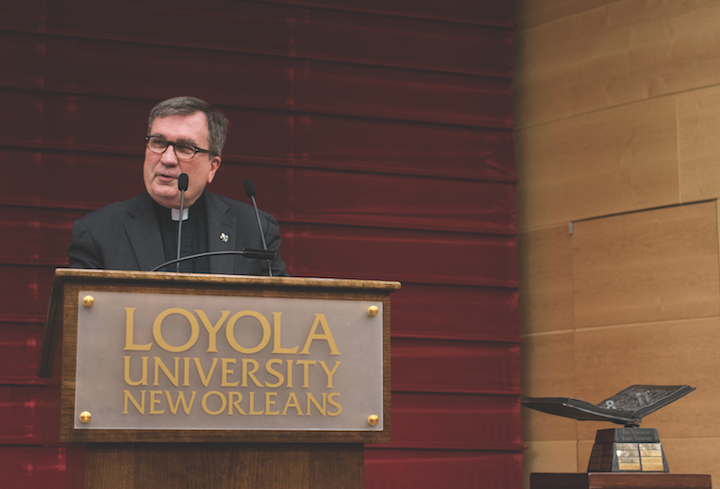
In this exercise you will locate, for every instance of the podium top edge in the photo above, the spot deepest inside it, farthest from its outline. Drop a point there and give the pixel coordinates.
(71, 274)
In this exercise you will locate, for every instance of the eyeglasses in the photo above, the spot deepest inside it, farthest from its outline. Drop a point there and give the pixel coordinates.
(183, 151)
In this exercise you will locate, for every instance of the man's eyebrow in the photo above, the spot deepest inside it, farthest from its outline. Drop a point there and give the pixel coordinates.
(189, 141)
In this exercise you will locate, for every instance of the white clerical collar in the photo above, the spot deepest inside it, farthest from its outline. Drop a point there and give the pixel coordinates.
(175, 214)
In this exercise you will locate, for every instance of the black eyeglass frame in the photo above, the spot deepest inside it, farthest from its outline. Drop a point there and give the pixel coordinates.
(174, 145)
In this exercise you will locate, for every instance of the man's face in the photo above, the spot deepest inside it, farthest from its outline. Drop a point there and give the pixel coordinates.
(161, 171)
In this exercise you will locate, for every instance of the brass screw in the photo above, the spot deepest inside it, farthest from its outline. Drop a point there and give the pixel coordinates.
(88, 301)
(85, 417)
(373, 311)
(373, 420)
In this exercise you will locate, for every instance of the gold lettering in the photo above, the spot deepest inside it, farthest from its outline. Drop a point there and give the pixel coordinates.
(143, 380)
(289, 374)
(306, 373)
(322, 409)
(251, 373)
(157, 329)
(252, 404)
(154, 401)
(292, 401)
(229, 332)
(330, 400)
(212, 330)
(269, 403)
(329, 373)
(139, 407)
(226, 371)
(198, 365)
(204, 403)
(327, 335)
(160, 365)
(129, 324)
(180, 398)
(277, 341)
(186, 371)
(272, 371)
(232, 403)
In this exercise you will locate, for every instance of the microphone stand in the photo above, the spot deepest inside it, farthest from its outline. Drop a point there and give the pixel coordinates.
(182, 186)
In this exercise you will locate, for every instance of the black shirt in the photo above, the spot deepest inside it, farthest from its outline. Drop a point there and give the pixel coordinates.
(194, 237)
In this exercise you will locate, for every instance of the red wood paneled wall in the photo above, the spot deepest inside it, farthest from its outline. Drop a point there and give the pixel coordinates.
(379, 133)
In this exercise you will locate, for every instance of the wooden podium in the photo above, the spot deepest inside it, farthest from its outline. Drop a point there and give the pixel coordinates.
(267, 426)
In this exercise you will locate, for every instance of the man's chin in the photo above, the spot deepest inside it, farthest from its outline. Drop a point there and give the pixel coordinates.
(169, 200)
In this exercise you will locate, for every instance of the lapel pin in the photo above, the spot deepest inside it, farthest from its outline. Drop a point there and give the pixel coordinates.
(224, 237)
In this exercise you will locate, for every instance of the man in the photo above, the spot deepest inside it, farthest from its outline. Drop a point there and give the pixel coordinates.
(185, 135)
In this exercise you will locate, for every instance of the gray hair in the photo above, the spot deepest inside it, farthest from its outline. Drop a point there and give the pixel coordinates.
(217, 123)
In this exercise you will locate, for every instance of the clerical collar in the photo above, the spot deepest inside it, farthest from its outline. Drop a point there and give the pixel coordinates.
(174, 214)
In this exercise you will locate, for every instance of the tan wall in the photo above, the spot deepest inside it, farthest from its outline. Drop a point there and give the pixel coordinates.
(617, 109)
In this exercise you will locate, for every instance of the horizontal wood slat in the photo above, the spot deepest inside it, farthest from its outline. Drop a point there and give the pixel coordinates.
(26, 291)
(32, 467)
(468, 260)
(92, 67)
(455, 422)
(485, 12)
(459, 313)
(20, 346)
(278, 30)
(478, 368)
(57, 121)
(22, 414)
(390, 469)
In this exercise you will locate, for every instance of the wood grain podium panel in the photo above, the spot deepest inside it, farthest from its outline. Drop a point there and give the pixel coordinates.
(227, 466)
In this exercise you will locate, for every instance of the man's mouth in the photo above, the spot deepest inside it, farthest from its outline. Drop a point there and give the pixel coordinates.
(165, 177)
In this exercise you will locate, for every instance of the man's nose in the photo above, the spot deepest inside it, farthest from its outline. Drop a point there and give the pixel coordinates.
(169, 157)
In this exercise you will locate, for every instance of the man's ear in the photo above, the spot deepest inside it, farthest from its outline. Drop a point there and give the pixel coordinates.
(214, 165)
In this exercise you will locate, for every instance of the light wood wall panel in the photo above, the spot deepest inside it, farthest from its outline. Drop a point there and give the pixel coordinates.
(693, 455)
(610, 359)
(699, 144)
(619, 53)
(654, 265)
(584, 448)
(545, 269)
(617, 104)
(597, 164)
(530, 14)
(547, 370)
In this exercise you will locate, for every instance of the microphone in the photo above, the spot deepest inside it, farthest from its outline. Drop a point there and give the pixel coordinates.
(182, 187)
(250, 192)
